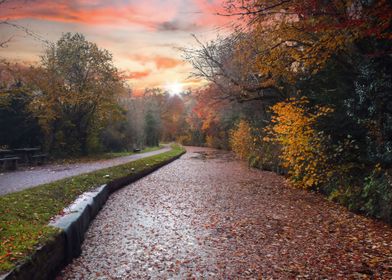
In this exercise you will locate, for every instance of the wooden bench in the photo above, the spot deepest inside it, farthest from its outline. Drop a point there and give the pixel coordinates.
(136, 150)
(39, 159)
(9, 162)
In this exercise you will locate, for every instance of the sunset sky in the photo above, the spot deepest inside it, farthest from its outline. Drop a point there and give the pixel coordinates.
(143, 36)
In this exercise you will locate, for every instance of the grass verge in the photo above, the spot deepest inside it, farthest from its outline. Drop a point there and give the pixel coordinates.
(24, 215)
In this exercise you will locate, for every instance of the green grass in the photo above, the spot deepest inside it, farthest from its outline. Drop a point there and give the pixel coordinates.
(24, 215)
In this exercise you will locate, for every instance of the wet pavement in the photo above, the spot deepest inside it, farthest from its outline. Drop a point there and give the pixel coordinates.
(208, 216)
(37, 175)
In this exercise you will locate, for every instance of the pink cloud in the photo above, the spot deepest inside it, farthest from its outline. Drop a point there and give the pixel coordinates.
(209, 13)
(89, 12)
(153, 15)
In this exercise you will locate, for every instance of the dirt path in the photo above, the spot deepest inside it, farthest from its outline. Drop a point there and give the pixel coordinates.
(207, 216)
(24, 179)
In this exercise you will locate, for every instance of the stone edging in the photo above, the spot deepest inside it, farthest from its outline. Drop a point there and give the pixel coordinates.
(55, 254)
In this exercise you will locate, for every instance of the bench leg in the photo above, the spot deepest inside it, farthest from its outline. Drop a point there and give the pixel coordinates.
(14, 165)
(8, 165)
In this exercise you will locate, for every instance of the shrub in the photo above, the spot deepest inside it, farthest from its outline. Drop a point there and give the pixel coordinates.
(377, 195)
(247, 143)
(266, 157)
(184, 140)
(218, 140)
(302, 146)
(242, 141)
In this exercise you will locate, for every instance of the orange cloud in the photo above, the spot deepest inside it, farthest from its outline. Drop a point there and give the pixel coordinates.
(127, 75)
(142, 59)
(161, 62)
(166, 62)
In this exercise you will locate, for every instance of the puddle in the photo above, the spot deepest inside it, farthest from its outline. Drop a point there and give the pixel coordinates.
(199, 155)
(213, 154)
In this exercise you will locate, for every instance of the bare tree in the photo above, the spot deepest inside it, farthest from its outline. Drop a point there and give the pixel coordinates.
(6, 22)
(4, 42)
(220, 63)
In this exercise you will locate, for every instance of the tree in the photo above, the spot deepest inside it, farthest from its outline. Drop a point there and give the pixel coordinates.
(151, 130)
(5, 4)
(18, 125)
(173, 117)
(220, 63)
(295, 37)
(4, 41)
(75, 92)
(280, 42)
(324, 68)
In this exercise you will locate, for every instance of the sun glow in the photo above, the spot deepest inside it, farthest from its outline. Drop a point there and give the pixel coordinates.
(174, 88)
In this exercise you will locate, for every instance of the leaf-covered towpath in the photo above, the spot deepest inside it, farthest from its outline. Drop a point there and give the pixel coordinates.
(207, 216)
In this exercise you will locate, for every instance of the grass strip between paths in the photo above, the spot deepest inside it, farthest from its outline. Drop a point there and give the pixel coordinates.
(24, 215)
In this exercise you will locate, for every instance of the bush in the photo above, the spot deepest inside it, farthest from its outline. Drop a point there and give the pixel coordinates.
(184, 140)
(242, 141)
(19, 128)
(266, 157)
(369, 193)
(247, 143)
(114, 139)
(302, 146)
(377, 195)
(217, 141)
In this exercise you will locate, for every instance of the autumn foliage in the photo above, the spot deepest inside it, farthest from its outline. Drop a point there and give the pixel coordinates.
(319, 76)
(302, 153)
(241, 140)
